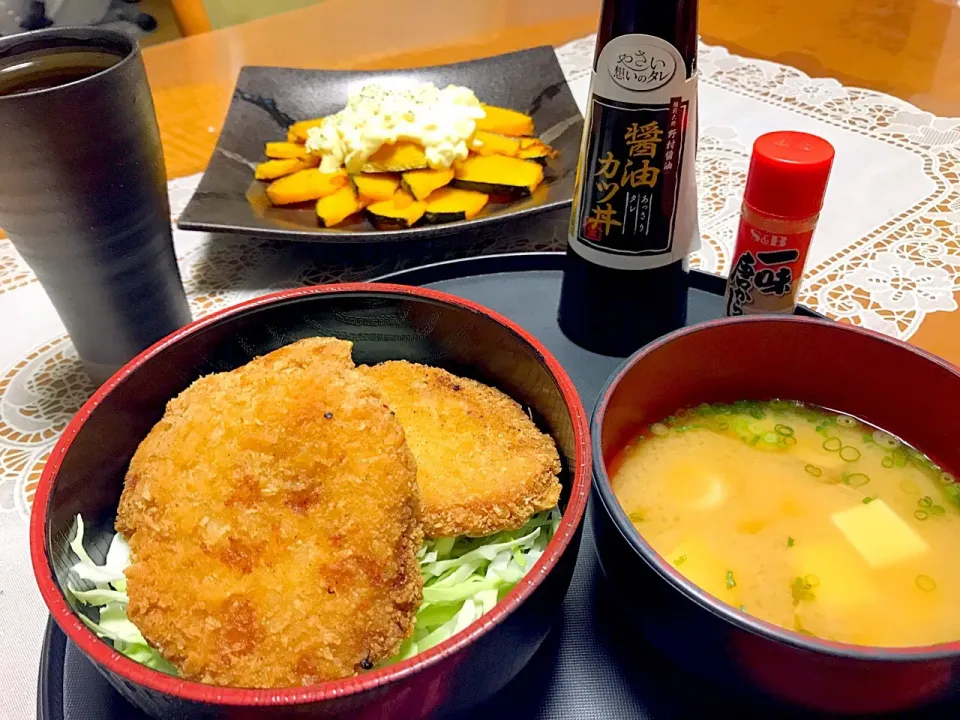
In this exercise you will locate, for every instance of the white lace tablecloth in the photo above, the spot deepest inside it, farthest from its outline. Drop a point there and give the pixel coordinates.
(886, 255)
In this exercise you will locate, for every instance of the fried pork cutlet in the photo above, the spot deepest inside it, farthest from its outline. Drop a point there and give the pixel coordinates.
(273, 518)
(482, 465)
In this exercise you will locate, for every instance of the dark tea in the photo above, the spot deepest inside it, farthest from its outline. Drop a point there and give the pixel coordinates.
(49, 68)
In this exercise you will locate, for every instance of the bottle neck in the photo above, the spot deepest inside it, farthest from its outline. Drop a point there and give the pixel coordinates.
(674, 21)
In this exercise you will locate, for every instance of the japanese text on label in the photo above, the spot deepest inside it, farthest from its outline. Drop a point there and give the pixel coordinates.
(773, 277)
(629, 196)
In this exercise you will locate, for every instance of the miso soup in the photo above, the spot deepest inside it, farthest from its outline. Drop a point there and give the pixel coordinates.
(805, 518)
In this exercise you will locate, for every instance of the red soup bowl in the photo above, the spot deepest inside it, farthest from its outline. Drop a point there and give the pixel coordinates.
(886, 383)
(86, 469)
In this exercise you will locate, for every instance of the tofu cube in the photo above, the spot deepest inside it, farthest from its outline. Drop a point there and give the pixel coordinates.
(880, 536)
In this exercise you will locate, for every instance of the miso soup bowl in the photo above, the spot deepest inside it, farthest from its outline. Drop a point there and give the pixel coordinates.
(886, 383)
(86, 470)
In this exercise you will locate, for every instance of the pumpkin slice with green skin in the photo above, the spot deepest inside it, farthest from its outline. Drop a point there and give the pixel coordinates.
(305, 185)
(398, 157)
(398, 213)
(376, 186)
(498, 175)
(420, 183)
(452, 204)
(537, 151)
(284, 150)
(489, 143)
(273, 169)
(505, 121)
(334, 209)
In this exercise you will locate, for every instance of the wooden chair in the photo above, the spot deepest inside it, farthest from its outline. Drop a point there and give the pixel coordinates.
(191, 16)
(199, 16)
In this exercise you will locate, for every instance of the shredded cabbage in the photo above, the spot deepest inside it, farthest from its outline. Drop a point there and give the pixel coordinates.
(104, 588)
(463, 578)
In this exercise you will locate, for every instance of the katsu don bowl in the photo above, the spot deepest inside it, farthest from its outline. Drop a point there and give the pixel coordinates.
(358, 500)
(775, 511)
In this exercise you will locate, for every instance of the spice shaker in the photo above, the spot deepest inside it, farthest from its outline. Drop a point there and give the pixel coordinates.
(786, 184)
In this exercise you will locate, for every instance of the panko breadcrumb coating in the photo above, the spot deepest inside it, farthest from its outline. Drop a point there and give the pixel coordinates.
(482, 465)
(273, 518)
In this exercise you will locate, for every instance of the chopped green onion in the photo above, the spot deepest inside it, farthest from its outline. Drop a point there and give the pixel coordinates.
(953, 494)
(909, 486)
(723, 425)
(921, 460)
(800, 590)
(921, 514)
(743, 608)
(637, 516)
(704, 409)
(659, 429)
(925, 502)
(770, 438)
(682, 412)
(858, 479)
(937, 510)
(813, 470)
(867, 500)
(899, 457)
(754, 441)
(790, 542)
(849, 453)
(731, 583)
(845, 421)
(926, 583)
(784, 430)
(832, 444)
(789, 440)
(681, 559)
(947, 479)
(885, 440)
(887, 461)
(758, 413)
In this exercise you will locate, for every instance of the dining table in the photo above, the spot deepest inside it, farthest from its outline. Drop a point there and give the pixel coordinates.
(880, 80)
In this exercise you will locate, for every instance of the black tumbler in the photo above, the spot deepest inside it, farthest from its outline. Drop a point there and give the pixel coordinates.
(83, 191)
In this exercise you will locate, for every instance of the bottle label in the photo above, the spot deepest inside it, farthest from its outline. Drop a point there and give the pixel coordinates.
(766, 272)
(635, 204)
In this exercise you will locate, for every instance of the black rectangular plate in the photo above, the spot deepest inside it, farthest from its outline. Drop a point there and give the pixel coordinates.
(266, 100)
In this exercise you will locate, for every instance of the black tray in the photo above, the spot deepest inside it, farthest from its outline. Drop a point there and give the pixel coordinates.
(588, 668)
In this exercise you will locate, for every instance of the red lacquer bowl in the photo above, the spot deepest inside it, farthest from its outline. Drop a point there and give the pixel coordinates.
(85, 476)
(885, 382)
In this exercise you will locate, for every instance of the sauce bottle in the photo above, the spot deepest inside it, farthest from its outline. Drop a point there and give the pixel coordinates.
(634, 218)
(781, 205)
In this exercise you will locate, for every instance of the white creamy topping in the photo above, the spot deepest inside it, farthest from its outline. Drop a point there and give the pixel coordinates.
(440, 120)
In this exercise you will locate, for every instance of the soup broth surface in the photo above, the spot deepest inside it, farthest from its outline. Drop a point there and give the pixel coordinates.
(802, 517)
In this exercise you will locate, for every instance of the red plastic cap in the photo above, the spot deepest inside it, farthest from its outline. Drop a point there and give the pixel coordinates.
(788, 174)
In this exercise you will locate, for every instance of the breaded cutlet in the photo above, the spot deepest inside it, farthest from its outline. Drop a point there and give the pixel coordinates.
(273, 519)
(482, 464)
